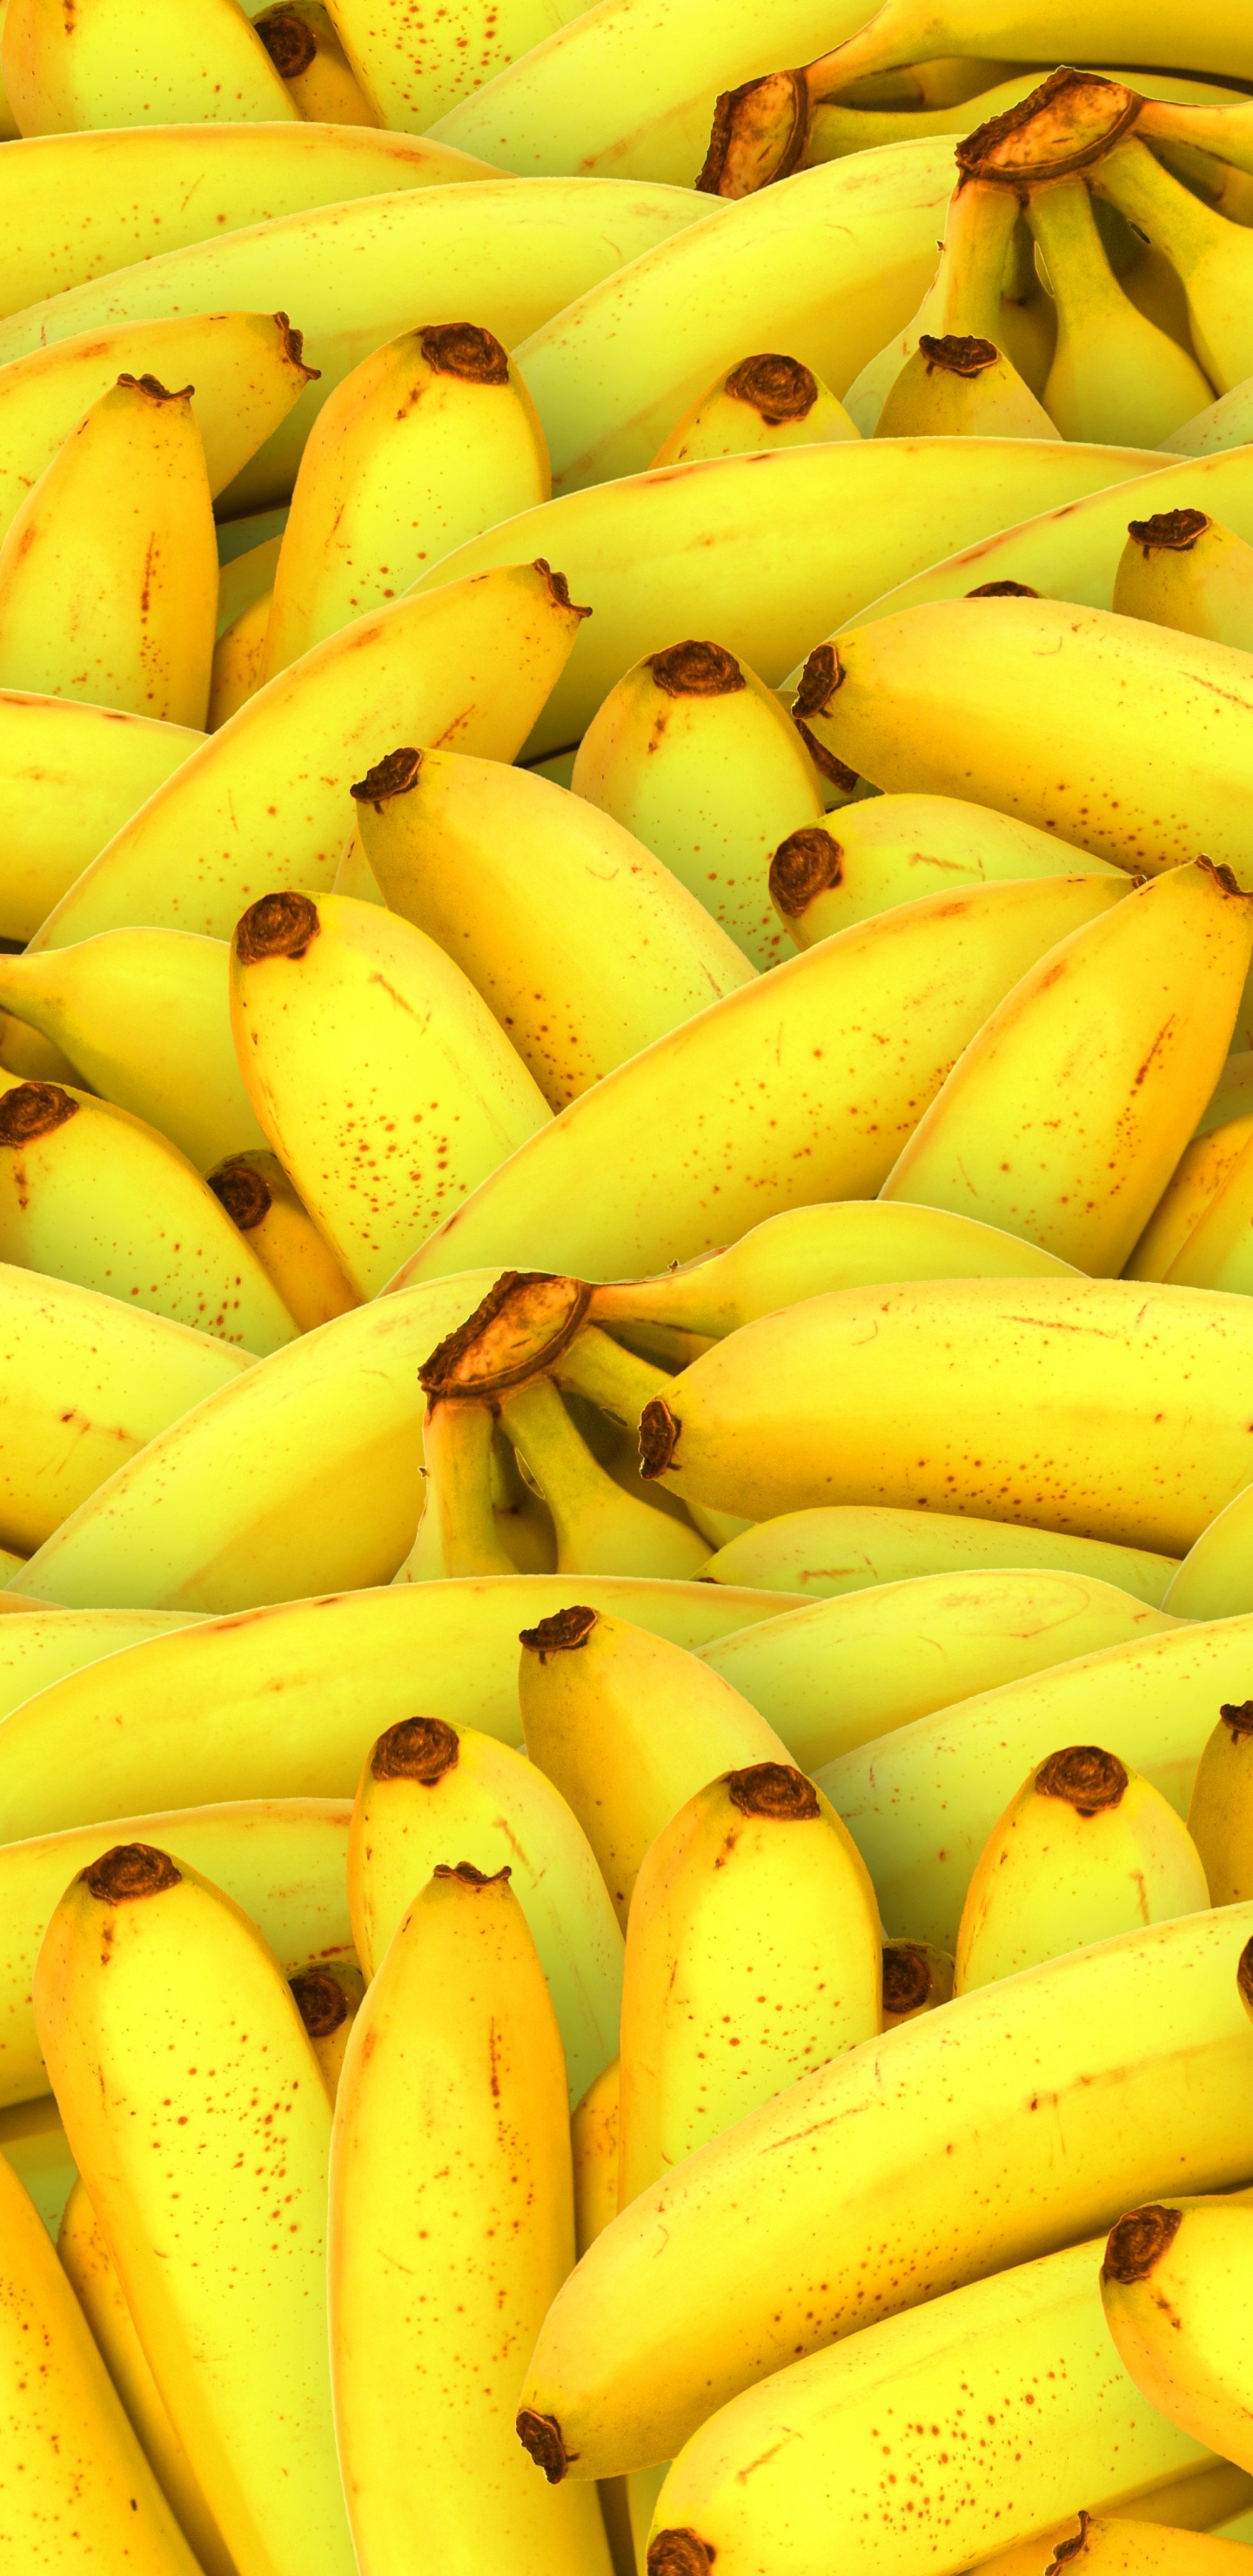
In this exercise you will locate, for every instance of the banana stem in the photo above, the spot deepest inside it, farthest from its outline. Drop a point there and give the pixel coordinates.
(457, 1533)
(1061, 218)
(616, 1380)
(1174, 220)
(978, 235)
(600, 1529)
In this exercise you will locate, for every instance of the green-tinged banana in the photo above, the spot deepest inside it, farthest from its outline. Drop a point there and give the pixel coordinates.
(429, 440)
(459, 1532)
(766, 401)
(891, 849)
(1108, 1050)
(594, 2147)
(1157, 727)
(600, 1528)
(127, 62)
(1199, 1176)
(629, 1728)
(529, 889)
(837, 1674)
(40, 1646)
(1223, 424)
(281, 1860)
(263, 805)
(238, 660)
(847, 1045)
(917, 1978)
(90, 1194)
(429, 1788)
(1154, 1699)
(109, 571)
(880, 2439)
(300, 39)
(378, 1074)
(959, 386)
(70, 777)
(78, 2493)
(87, 1380)
(1136, 2052)
(752, 1956)
(1213, 256)
(1175, 2289)
(245, 369)
(1114, 374)
(259, 1199)
(328, 1998)
(851, 1547)
(218, 2239)
(1215, 1580)
(451, 2228)
(1188, 571)
(1086, 1849)
(1220, 1816)
(101, 1741)
(89, 2268)
(695, 756)
(144, 1015)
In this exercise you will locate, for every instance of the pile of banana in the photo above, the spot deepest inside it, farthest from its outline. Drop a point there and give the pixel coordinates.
(626, 1288)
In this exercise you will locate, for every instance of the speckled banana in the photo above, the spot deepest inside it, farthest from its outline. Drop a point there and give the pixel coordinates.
(299, 37)
(1186, 570)
(260, 1201)
(1175, 2287)
(125, 62)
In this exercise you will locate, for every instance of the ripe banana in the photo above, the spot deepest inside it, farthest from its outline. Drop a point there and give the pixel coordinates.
(70, 776)
(429, 1788)
(328, 1998)
(965, 297)
(903, 31)
(1213, 256)
(529, 890)
(108, 572)
(239, 660)
(264, 804)
(451, 2227)
(1216, 1252)
(1206, 2501)
(959, 386)
(126, 62)
(1213, 1580)
(1114, 375)
(40, 1646)
(220, 2249)
(599, 1528)
(840, 1673)
(1146, 2549)
(891, 849)
(846, 1044)
(1187, 571)
(694, 755)
(259, 1199)
(628, 1727)
(1175, 2288)
(1220, 1816)
(1135, 2055)
(1199, 1177)
(852, 1547)
(594, 2148)
(87, 2491)
(432, 438)
(1222, 424)
(765, 401)
(410, 84)
(302, 44)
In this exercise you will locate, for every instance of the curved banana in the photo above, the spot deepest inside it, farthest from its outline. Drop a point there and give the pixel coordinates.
(1213, 256)
(764, 401)
(1223, 424)
(460, 1531)
(891, 849)
(853, 1547)
(40, 1646)
(127, 62)
(219, 2245)
(1216, 1252)
(906, 31)
(70, 777)
(409, 85)
(530, 889)
(1220, 1816)
(965, 297)
(1135, 2051)
(1199, 1177)
(259, 1199)
(1175, 2289)
(1147, 2549)
(238, 659)
(600, 1529)
(1185, 570)
(429, 1788)
(302, 44)
(1114, 374)
(954, 100)
(594, 2149)
(959, 386)
(1213, 1580)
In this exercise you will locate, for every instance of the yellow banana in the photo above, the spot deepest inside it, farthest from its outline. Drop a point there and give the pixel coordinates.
(89, 2268)
(923, 103)
(259, 1199)
(1114, 374)
(599, 1528)
(903, 31)
(461, 1529)
(1158, 727)
(239, 660)
(837, 1674)
(302, 44)
(964, 298)
(959, 386)
(1146, 2549)
(451, 2227)
(917, 1978)
(281, 1860)
(1108, 1050)
(1216, 1254)
(1175, 2289)
(1187, 571)
(79, 2493)
(695, 756)
(1086, 1849)
(351, 1025)
(264, 804)
(891, 849)
(765, 401)
(108, 572)
(410, 83)
(91, 1194)
(1213, 1580)
(852, 1547)
(1213, 256)
(70, 776)
(1223, 424)
(144, 1015)
(219, 2241)
(40, 1646)
(881, 2434)
(1232, 1092)
(594, 2148)
(529, 890)
(127, 62)
(429, 1788)
(1220, 1816)
(808, 1125)
(1205, 2502)
(1136, 2052)
(1199, 1176)
(328, 1998)
(432, 438)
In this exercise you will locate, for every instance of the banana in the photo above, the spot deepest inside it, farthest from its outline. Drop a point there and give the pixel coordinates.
(837, 126)
(1114, 374)
(1152, 1698)
(765, 401)
(964, 298)
(281, 1860)
(807, 1125)
(1232, 1092)
(79, 2489)
(1206, 2500)
(903, 31)
(263, 806)
(239, 660)
(917, 1978)
(1157, 727)
(451, 2227)
(1086, 1849)
(40, 1646)
(1140, 2549)
(1184, 570)
(694, 755)
(600, 1529)
(1108, 1050)
(1223, 424)
(880, 2437)
(960, 387)
(460, 1531)
(1216, 1252)
(144, 1015)
(220, 2250)
(432, 438)
(529, 889)
(1174, 2286)
(111, 64)
(1220, 1816)
(1213, 1580)
(87, 1381)
(409, 85)
(302, 44)
(328, 1998)
(753, 1883)
(594, 2149)
(88, 2266)
(112, 599)
(838, 1674)
(891, 849)
(354, 874)
(1213, 256)
(90, 1194)
(428, 1788)
(259, 1199)
(70, 777)
(1199, 1176)
(852, 1547)
(1136, 2053)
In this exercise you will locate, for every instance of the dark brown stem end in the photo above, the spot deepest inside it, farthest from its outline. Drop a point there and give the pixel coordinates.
(1088, 1779)
(695, 670)
(130, 1871)
(320, 2001)
(1171, 531)
(465, 349)
(393, 776)
(280, 925)
(779, 388)
(804, 866)
(418, 1748)
(773, 1789)
(244, 1193)
(560, 1634)
(659, 1437)
(1137, 2243)
(541, 2436)
(34, 1109)
(680, 2553)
